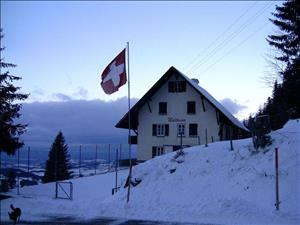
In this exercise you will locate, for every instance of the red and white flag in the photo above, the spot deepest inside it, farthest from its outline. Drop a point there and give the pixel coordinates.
(114, 75)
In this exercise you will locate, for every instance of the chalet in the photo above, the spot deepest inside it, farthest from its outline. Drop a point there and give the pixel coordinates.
(177, 112)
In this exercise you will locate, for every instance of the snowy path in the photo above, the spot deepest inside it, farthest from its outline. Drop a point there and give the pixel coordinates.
(102, 221)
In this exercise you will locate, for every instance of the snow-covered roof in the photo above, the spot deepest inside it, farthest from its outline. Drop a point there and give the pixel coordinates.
(123, 123)
(217, 104)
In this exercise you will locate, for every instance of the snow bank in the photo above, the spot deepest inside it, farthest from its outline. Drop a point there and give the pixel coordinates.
(206, 185)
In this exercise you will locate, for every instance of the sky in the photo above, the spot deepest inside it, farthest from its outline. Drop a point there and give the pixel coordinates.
(61, 48)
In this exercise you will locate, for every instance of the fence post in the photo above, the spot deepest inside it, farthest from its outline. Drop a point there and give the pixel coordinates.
(96, 156)
(231, 144)
(181, 140)
(79, 160)
(28, 162)
(206, 137)
(18, 176)
(56, 189)
(108, 157)
(277, 179)
(117, 161)
(71, 190)
(120, 157)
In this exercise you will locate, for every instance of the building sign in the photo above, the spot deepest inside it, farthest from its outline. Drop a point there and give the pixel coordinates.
(175, 120)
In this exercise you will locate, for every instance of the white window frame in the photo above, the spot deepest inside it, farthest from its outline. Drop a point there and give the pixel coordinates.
(180, 128)
(160, 130)
(160, 150)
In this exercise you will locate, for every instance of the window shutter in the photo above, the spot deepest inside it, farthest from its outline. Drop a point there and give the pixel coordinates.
(153, 129)
(183, 84)
(166, 129)
(153, 151)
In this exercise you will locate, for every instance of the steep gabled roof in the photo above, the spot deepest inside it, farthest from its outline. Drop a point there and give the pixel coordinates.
(123, 123)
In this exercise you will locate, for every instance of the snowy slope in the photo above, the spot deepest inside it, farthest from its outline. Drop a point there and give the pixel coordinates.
(212, 184)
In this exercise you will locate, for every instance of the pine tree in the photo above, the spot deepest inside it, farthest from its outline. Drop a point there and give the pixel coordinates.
(291, 88)
(10, 131)
(285, 101)
(58, 164)
(287, 39)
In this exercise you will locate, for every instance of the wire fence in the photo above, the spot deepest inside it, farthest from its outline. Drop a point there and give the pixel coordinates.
(29, 162)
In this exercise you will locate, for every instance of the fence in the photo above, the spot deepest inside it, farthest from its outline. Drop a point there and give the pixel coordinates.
(86, 159)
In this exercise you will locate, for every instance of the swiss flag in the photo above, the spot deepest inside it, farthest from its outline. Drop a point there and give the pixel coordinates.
(114, 75)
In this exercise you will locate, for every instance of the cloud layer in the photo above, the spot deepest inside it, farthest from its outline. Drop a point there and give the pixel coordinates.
(80, 121)
(232, 106)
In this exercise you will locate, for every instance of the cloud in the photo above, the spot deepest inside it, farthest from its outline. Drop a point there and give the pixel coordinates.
(62, 97)
(232, 106)
(80, 121)
(81, 93)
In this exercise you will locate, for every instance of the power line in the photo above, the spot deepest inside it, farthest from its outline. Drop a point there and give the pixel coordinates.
(222, 34)
(231, 37)
(226, 41)
(234, 48)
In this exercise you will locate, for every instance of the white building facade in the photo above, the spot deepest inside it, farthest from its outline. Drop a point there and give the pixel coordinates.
(177, 112)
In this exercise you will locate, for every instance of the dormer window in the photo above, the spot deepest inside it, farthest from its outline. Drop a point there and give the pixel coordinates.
(177, 86)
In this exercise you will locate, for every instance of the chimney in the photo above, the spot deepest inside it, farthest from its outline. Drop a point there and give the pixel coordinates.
(195, 80)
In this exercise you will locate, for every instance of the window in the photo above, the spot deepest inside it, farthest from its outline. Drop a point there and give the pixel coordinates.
(177, 86)
(193, 129)
(160, 130)
(157, 151)
(171, 85)
(162, 108)
(180, 129)
(191, 107)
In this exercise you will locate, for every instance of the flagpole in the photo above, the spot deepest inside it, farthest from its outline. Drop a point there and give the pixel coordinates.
(129, 125)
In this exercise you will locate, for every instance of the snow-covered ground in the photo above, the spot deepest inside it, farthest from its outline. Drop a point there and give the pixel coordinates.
(208, 185)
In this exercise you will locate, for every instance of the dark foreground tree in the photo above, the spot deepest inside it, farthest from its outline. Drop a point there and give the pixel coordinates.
(58, 164)
(285, 101)
(286, 40)
(10, 131)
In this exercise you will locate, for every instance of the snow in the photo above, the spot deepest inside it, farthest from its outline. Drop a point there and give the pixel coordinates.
(209, 185)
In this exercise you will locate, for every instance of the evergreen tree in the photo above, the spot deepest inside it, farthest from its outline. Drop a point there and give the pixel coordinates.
(285, 101)
(58, 164)
(10, 131)
(287, 39)
(291, 88)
